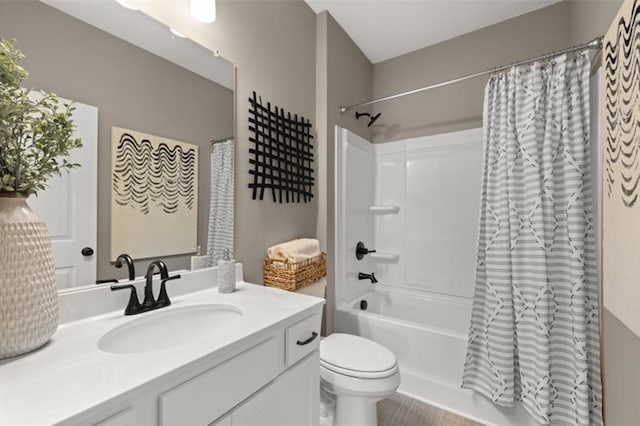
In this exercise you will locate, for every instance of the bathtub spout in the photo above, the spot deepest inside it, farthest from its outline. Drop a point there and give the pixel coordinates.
(371, 276)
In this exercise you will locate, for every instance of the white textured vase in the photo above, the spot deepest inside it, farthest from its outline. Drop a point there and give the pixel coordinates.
(28, 294)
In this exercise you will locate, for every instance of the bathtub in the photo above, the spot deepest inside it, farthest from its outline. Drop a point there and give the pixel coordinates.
(428, 335)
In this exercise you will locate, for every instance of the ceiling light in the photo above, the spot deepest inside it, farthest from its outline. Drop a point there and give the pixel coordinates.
(126, 4)
(204, 10)
(177, 33)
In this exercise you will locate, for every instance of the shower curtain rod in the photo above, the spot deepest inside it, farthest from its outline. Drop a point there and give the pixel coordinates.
(596, 43)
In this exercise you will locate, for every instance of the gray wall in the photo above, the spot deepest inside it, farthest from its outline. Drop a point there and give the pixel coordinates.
(621, 372)
(459, 106)
(344, 76)
(272, 44)
(131, 88)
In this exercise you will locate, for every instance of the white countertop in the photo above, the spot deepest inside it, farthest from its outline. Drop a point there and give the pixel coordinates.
(71, 374)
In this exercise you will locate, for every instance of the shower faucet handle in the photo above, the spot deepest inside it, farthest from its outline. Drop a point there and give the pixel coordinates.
(362, 251)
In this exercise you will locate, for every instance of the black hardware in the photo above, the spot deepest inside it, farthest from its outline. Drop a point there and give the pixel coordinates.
(309, 340)
(87, 252)
(283, 153)
(362, 251)
(163, 297)
(149, 302)
(372, 118)
(363, 305)
(371, 276)
(109, 280)
(133, 307)
(129, 261)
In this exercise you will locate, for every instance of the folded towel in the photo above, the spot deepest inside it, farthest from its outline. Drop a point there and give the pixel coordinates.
(295, 250)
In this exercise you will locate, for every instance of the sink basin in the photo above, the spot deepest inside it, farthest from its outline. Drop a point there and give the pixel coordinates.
(164, 329)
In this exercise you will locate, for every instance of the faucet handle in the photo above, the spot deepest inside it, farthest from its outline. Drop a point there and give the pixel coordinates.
(163, 297)
(133, 307)
(362, 251)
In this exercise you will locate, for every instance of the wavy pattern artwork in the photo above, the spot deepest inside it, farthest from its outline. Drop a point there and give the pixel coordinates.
(144, 176)
(622, 109)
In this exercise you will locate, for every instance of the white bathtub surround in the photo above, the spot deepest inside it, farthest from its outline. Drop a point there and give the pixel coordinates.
(221, 203)
(534, 333)
(355, 194)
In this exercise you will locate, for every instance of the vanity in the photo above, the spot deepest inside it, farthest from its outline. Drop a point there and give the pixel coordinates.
(248, 357)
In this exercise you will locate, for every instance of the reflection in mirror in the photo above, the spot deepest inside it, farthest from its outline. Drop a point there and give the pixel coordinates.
(122, 69)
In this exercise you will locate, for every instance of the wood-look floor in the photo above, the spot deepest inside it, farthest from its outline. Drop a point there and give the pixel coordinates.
(400, 410)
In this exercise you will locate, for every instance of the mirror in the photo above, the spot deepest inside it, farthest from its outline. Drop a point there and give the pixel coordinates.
(124, 70)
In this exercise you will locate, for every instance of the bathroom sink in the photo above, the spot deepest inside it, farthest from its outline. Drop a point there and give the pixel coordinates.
(164, 329)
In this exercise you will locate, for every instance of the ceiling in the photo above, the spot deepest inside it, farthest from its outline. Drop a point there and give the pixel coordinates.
(384, 29)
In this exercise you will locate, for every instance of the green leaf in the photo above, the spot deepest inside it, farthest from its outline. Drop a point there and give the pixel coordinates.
(36, 136)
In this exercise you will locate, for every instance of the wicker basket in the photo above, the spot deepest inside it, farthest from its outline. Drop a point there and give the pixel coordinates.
(294, 275)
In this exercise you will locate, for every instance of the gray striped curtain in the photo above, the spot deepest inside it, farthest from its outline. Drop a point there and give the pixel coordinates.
(534, 334)
(221, 203)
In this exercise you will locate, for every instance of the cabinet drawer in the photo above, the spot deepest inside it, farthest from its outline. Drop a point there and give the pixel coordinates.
(302, 338)
(206, 397)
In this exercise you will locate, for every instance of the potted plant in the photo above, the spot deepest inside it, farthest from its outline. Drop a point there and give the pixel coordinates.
(36, 136)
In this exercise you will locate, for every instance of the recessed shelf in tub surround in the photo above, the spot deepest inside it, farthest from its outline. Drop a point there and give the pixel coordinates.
(385, 257)
(380, 210)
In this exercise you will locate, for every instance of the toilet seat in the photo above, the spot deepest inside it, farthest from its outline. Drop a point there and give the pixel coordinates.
(358, 373)
(355, 356)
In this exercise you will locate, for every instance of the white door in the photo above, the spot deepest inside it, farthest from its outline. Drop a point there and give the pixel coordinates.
(69, 206)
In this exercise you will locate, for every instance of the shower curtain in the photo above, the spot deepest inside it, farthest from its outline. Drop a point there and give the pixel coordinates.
(221, 209)
(534, 334)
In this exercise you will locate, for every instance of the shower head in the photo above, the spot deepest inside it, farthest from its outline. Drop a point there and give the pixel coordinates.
(372, 118)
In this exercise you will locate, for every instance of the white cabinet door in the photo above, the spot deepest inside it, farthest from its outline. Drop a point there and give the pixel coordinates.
(208, 396)
(69, 206)
(291, 399)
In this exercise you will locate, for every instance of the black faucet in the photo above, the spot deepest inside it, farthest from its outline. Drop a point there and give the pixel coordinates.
(150, 303)
(371, 276)
(129, 261)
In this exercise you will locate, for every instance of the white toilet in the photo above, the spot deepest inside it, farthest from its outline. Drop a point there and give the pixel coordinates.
(358, 372)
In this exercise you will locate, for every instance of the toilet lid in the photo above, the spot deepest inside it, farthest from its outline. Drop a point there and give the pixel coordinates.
(355, 354)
